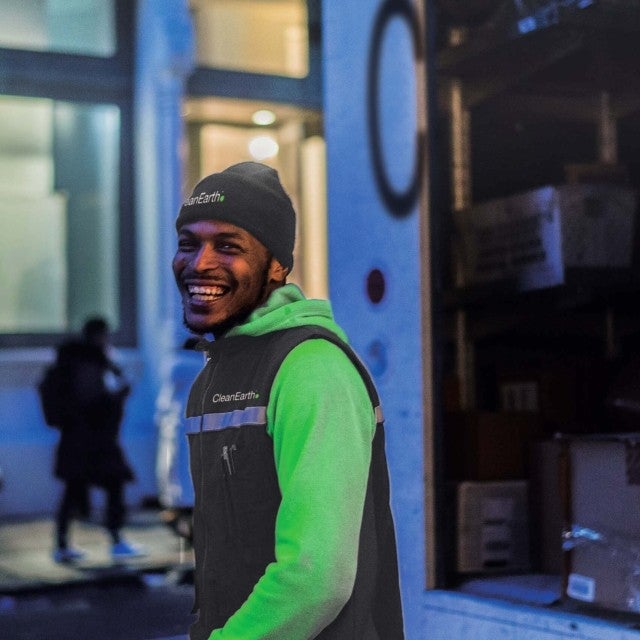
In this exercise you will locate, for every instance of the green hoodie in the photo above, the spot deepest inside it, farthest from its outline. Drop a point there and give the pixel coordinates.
(322, 424)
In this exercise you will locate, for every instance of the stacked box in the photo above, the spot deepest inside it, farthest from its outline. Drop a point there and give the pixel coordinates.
(602, 543)
(492, 527)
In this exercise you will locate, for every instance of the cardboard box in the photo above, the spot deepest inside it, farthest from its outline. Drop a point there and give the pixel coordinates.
(485, 446)
(529, 240)
(603, 542)
(492, 527)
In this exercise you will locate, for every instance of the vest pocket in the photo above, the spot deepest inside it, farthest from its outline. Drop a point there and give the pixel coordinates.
(254, 495)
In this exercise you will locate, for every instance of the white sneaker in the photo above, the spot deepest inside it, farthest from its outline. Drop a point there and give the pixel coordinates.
(123, 550)
(65, 556)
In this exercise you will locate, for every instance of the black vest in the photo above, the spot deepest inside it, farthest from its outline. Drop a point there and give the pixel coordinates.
(237, 495)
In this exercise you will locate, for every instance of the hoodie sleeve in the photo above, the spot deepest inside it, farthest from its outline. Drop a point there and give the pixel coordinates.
(322, 423)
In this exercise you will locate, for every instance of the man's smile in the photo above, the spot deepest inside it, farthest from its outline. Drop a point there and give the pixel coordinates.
(206, 293)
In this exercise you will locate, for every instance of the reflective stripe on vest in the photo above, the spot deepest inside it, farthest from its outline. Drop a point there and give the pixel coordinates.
(250, 415)
(219, 421)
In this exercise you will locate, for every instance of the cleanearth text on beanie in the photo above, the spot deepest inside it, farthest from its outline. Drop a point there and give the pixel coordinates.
(248, 195)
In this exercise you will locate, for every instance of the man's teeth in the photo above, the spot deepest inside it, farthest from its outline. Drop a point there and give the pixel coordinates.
(205, 293)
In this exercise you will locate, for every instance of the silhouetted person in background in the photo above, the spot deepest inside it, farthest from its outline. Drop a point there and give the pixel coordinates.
(93, 390)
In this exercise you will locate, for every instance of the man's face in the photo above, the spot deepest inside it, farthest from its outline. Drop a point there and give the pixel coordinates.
(223, 273)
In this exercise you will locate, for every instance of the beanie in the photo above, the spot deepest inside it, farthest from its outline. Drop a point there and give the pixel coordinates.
(248, 195)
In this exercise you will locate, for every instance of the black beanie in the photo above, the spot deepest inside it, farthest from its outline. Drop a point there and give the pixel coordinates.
(248, 195)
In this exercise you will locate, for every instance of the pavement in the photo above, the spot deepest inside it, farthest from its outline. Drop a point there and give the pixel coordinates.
(149, 597)
(26, 545)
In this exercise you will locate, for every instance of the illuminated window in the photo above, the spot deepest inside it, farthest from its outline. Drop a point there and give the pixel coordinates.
(84, 27)
(59, 214)
(258, 36)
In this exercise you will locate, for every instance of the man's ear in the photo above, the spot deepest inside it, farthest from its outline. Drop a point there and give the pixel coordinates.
(277, 273)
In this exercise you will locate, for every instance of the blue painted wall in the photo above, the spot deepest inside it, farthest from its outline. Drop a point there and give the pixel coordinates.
(364, 235)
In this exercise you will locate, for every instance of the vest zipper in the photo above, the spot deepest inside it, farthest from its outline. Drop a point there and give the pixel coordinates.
(205, 543)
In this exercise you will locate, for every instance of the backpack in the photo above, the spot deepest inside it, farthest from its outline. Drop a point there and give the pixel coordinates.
(52, 390)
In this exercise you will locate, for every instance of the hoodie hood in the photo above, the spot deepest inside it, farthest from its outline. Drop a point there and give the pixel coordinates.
(286, 308)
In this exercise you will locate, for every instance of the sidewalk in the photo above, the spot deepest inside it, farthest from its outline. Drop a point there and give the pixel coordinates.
(26, 546)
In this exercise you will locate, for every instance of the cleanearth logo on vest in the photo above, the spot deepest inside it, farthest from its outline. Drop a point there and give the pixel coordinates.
(205, 198)
(238, 395)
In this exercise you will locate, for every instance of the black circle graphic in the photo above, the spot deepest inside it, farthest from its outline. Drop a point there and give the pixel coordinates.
(399, 203)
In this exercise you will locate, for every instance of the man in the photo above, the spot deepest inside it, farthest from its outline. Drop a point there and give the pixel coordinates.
(293, 534)
(88, 454)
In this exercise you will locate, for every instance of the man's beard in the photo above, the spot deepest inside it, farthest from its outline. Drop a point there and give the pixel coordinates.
(240, 316)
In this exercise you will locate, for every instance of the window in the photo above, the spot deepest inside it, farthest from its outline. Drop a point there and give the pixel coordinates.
(253, 36)
(68, 26)
(66, 219)
(58, 213)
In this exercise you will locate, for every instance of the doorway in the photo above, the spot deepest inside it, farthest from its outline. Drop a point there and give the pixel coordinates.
(223, 131)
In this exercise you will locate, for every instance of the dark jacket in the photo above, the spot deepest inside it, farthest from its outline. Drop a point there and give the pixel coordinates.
(88, 449)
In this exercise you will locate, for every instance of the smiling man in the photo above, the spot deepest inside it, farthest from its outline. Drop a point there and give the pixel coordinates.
(293, 534)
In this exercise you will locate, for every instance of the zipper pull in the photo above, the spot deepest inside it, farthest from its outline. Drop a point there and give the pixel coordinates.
(227, 457)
